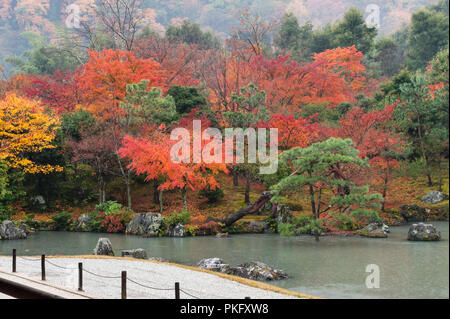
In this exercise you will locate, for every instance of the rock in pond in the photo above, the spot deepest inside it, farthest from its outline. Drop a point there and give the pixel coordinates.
(254, 270)
(283, 214)
(214, 263)
(137, 253)
(433, 197)
(423, 232)
(256, 226)
(176, 231)
(104, 247)
(145, 225)
(83, 223)
(222, 235)
(374, 230)
(8, 231)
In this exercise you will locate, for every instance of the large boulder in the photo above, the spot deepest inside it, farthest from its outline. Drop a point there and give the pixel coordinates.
(257, 270)
(83, 223)
(254, 270)
(283, 214)
(176, 231)
(256, 226)
(138, 253)
(8, 231)
(433, 197)
(145, 225)
(423, 232)
(38, 203)
(414, 213)
(104, 247)
(214, 263)
(374, 230)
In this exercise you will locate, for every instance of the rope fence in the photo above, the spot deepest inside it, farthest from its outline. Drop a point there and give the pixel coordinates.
(81, 270)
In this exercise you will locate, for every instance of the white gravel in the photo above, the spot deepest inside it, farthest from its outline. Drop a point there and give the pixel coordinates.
(162, 276)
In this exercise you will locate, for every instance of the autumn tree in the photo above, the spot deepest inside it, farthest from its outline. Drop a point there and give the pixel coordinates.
(152, 157)
(103, 81)
(250, 110)
(25, 129)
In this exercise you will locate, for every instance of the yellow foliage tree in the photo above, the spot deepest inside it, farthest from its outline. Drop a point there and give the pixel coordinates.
(25, 129)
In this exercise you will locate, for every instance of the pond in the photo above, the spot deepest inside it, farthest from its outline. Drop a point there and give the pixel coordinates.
(335, 267)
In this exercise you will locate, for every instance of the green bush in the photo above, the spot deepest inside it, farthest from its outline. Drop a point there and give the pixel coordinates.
(177, 218)
(109, 208)
(5, 214)
(61, 221)
(286, 229)
(213, 195)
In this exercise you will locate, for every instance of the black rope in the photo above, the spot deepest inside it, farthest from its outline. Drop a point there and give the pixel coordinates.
(59, 265)
(107, 277)
(195, 297)
(29, 259)
(148, 286)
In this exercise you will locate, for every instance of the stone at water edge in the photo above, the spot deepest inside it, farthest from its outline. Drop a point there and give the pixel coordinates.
(104, 247)
(214, 263)
(222, 235)
(256, 270)
(176, 231)
(433, 197)
(83, 223)
(374, 230)
(423, 232)
(8, 231)
(137, 253)
(146, 225)
(256, 226)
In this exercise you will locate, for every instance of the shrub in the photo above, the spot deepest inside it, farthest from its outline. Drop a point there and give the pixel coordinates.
(178, 218)
(112, 224)
(109, 207)
(61, 221)
(286, 229)
(213, 195)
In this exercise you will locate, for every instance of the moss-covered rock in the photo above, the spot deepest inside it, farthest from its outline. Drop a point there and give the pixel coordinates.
(423, 232)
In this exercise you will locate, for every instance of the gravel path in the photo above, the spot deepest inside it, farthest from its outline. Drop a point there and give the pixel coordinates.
(194, 284)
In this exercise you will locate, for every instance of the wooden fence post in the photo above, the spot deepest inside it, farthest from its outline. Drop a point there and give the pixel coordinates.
(80, 276)
(124, 285)
(43, 267)
(14, 256)
(177, 290)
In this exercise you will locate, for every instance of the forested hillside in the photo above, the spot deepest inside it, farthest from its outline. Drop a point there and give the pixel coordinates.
(45, 17)
(88, 117)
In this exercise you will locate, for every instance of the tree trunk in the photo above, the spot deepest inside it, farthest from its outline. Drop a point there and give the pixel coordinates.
(101, 190)
(313, 207)
(250, 209)
(183, 194)
(155, 191)
(235, 177)
(161, 201)
(424, 155)
(386, 181)
(247, 189)
(128, 190)
(104, 191)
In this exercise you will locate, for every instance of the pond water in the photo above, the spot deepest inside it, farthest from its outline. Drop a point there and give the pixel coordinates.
(335, 267)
